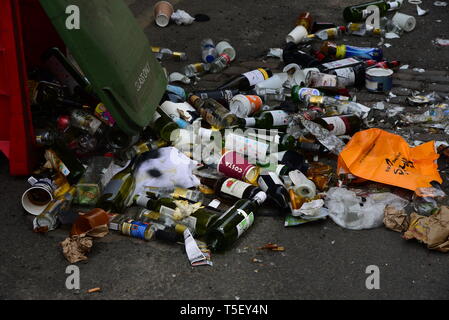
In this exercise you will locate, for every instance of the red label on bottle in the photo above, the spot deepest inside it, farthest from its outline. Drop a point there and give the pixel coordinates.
(234, 165)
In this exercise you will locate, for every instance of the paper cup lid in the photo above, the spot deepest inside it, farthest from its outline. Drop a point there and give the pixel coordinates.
(240, 106)
(379, 72)
(162, 20)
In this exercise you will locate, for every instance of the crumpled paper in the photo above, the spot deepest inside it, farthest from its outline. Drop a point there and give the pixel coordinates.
(76, 248)
(395, 219)
(433, 230)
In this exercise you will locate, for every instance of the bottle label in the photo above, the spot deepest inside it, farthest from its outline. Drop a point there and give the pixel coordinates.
(393, 5)
(104, 115)
(279, 168)
(340, 63)
(254, 77)
(248, 220)
(234, 165)
(254, 149)
(280, 118)
(303, 92)
(269, 181)
(167, 212)
(214, 203)
(346, 76)
(138, 229)
(190, 223)
(336, 125)
(234, 188)
(250, 122)
(317, 79)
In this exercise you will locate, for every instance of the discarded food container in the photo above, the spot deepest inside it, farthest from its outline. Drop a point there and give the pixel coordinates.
(36, 198)
(163, 11)
(379, 80)
(88, 221)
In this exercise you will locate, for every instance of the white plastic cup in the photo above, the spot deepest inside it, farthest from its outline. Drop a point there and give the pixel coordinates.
(225, 47)
(404, 21)
(37, 198)
(297, 35)
(163, 11)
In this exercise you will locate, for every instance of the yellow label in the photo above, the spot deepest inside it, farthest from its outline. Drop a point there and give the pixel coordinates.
(265, 74)
(341, 52)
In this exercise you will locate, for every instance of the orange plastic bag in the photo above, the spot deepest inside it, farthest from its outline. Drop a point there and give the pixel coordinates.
(380, 156)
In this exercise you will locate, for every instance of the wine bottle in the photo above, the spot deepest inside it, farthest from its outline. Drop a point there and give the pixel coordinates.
(118, 192)
(230, 189)
(350, 76)
(291, 54)
(326, 34)
(340, 125)
(359, 12)
(299, 93)
(233, 223)
(221, 96)
(48, 219)
(51, 94)
(272, 185)
(165, 126)
(248, 80)
(334, 51)
(175, 193)
(214, 113)
(64, 161)
(305, 19)
(275, 119)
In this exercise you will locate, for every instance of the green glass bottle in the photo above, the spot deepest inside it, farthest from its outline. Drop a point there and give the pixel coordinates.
(233, 223)
(358, 13)
(275, 119)
(116, 195)
(164, 125)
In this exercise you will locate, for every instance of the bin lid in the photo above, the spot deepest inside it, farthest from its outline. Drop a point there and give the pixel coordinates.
(115, 55)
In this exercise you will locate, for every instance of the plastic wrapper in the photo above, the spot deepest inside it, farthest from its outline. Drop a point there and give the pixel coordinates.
(182, 17)
(330, 141)
(353, 212)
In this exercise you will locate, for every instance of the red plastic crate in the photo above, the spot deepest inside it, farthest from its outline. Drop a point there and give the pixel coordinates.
(25, 33)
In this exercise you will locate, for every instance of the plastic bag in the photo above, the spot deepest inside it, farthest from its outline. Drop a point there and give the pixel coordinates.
(384, 157)
(351, 211)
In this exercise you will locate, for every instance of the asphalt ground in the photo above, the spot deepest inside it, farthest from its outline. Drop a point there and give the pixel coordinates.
(321, 260)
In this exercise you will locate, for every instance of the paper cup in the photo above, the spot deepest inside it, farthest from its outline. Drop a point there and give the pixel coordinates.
(163, 11)
(297, 35)
(37, 198)
(244, 106)
(404, 21)
(225, 47)
(379, 80)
